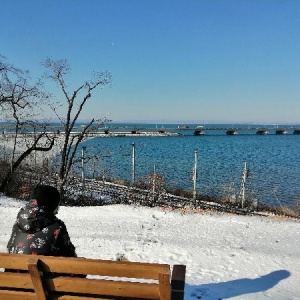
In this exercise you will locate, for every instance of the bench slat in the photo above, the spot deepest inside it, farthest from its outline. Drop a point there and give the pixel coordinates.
(20, 281)
(67, 297)
(17, 295)
(82, 285)
(90, 266)
(103, 287)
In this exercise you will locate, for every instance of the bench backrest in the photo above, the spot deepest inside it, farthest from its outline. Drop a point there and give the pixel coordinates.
(45, 277)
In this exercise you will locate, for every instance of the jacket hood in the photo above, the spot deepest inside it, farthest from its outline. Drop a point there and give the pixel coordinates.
(33, 218)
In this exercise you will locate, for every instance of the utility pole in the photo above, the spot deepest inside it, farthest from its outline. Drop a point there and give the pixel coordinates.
(133, 163)
(195, 174)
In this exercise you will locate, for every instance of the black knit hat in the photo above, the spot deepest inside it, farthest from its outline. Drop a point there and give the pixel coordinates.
(47, 196)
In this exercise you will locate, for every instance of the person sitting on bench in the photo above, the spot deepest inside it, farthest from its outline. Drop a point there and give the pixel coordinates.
(37, 230)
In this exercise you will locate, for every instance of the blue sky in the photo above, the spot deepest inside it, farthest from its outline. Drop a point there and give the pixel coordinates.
(187, 61)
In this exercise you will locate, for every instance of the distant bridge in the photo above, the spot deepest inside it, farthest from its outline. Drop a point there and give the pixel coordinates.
(198, 130)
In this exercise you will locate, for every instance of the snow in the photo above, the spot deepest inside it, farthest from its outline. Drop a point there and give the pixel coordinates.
(227, 256)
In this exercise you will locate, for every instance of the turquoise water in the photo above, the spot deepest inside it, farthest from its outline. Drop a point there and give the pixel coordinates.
(273, 161)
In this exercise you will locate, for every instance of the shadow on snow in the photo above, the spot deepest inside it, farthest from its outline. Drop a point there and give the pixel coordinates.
(234, 288)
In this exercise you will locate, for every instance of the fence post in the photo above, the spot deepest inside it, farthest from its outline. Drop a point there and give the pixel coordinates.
(195, 175)
(133, 163)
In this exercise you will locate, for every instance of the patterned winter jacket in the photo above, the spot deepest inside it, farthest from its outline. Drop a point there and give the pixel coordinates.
(37, 232)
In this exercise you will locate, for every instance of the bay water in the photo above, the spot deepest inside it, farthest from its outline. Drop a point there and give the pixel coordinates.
(273, 161)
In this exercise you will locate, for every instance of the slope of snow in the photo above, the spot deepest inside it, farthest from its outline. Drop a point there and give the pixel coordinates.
(227, 256)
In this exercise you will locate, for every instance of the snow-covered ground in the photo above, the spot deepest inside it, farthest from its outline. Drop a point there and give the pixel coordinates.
(227, 256)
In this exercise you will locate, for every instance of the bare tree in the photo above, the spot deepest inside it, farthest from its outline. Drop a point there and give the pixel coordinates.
(19, 101)
(75, 102)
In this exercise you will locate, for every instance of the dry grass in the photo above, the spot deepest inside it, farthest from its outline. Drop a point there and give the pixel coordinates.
(277, 213)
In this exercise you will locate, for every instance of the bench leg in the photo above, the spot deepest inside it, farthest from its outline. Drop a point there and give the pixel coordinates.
(178, 282)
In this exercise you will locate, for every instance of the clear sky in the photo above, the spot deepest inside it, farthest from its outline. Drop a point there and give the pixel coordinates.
(186, 61)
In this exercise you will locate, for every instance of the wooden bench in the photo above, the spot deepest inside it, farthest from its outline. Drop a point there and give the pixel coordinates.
(27, 277)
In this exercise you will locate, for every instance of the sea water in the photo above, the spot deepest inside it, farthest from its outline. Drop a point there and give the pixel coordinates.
(272, 161)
